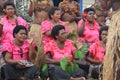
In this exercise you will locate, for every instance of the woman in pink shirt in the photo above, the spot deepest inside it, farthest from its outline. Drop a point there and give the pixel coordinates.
(10, 20)
(97, 49)
(88, 28)
(47, 25)
(58, 49)
(18, 55)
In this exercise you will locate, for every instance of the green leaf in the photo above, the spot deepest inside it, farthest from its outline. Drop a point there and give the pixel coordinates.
(79, 54)
(72, 67)
(44, 68)
(84, 48)
(64, 63)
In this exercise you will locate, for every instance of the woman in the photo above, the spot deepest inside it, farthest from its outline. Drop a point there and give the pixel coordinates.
(71, 6)
(18, 56)
(58, 49)
(54, 15)
(11, 20)
(69, 20)
(88, 28)
(40, 10)
(97, 49)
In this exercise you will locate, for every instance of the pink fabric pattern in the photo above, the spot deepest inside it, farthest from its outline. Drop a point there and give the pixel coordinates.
(8, 27)
(97, 51)
(58, 54)
(46, 26)
(15, 50)
(91, 35)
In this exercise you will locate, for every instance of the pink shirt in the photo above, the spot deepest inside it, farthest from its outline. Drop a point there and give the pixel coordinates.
(97, 51)
(8, 27)
(91, 35)
(58, 54)
(15, 50)
(46, 26)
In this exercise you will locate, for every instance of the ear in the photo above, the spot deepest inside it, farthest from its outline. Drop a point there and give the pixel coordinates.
(56, 37)
(4, 10)
(15, 35)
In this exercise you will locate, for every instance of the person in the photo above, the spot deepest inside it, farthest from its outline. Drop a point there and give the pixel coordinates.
(18, 55)
(58, 49)
(72, 7)
(10, 20)
(71, 24)
(40, 10)
(54, 15)
(88, 28)
(97, 51)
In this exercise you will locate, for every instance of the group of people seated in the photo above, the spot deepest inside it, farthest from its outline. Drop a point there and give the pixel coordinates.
(74, 45)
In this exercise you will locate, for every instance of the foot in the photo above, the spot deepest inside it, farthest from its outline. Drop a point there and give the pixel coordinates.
(21, 78)
(80, 78)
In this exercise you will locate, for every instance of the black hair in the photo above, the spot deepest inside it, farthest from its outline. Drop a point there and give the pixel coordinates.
(18, 28)
(7, 3)
(89, 9)
(56, 29)
(104, 28)
(52, 11)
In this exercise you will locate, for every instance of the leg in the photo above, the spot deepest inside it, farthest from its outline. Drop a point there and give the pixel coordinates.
(57, 74)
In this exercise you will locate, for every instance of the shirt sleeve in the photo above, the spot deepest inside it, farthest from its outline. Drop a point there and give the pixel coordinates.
(92, 49)
(7, 47)
(46, 26)
(47, 48)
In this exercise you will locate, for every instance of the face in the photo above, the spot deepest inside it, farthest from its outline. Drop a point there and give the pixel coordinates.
(68, 17)
(104, 36)
(21, 35)
(9, 10)
(56, 15)
(62, 36)
(90, 16)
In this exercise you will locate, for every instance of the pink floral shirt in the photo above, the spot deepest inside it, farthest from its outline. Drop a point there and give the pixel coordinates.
(58, 54)
(8, 27)
(91, 35)
(46, 26)
(15, 50)
(97, 51)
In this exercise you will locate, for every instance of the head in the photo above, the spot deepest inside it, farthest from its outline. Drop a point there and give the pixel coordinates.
(68, 17)
(59, 33)
(103, 34)
(20, 33)
(54, 13)
(90, 12)
(9, 8)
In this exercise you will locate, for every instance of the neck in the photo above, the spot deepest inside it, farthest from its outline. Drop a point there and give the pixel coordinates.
(103, 43)
(18, 43)
(54, 22)
(10, 17)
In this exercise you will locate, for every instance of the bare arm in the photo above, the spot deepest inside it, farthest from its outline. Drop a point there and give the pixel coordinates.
(1, 29)
(31, 8)
(89, 58)
(81, 29)
(32, 51)
(48, 33)
(49, 59)
(8, 59)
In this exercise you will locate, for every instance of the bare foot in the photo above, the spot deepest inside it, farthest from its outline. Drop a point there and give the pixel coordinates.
(21, 78)
(80, 78)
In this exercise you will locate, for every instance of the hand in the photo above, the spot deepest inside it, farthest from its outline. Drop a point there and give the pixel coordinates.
(69, 63)
(32, 1)
(21, 64)
(30, 40)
